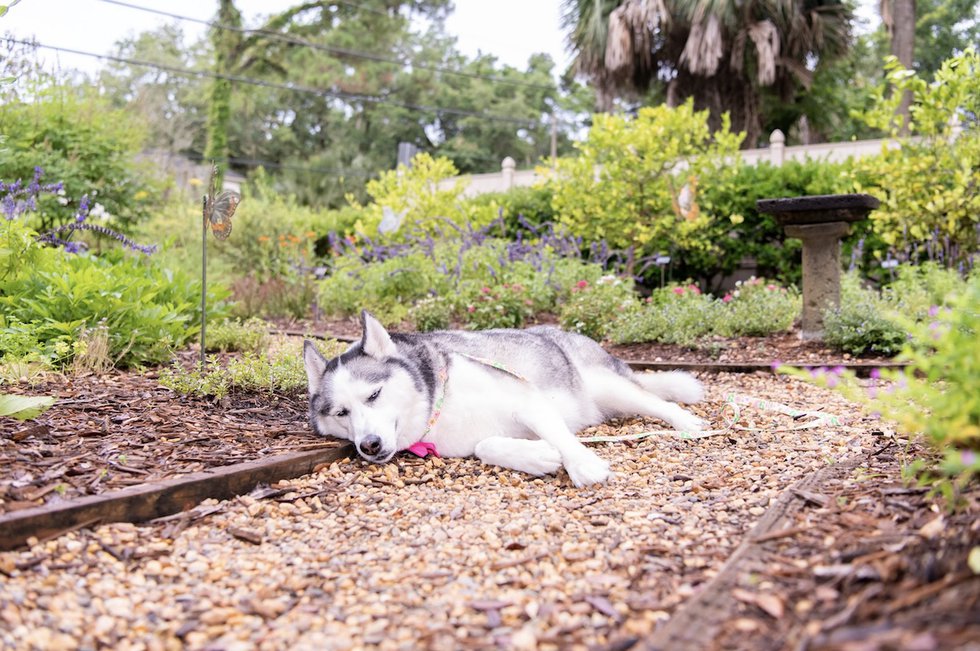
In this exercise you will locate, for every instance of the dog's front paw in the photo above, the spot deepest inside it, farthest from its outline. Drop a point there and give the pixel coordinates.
(587, 471)
(545, 461)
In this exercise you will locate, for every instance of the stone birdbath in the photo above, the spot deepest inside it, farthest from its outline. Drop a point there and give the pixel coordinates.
(820, 221)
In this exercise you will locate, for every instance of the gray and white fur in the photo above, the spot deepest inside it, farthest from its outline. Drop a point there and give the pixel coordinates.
(383, 392)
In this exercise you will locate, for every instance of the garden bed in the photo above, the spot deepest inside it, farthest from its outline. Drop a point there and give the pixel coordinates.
(124, 429)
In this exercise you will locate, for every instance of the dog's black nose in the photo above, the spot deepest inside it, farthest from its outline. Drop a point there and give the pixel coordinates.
(370, 446)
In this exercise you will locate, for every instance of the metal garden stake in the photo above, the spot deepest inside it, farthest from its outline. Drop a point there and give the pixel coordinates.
(218, 211)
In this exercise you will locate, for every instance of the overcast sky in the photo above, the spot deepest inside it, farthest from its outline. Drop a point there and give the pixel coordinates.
(511, 30)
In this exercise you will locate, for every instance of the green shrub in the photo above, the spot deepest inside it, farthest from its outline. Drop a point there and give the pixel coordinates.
(412, 197)
(278, 371)
(77, 138)
(758, 308)
(592, 307)
(519, 207)
(635, 181)
(147, 310)
(386, 288)
(233, 335)
(739, 230)
(929, 187)
(672, 315)
(497, 306)
(862, 323)
(919, 288)
(432, 313)
(936, 394)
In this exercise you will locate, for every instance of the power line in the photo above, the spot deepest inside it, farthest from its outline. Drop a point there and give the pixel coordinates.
(357, 54)
(257, 162)
(296, 88)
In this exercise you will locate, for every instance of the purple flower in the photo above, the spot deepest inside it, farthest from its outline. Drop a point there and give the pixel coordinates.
(82, 213)
(875, 373)
(933, 310)
(968, 457)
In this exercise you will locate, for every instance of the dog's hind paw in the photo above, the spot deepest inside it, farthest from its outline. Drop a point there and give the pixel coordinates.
(688, 422)
(584, 472)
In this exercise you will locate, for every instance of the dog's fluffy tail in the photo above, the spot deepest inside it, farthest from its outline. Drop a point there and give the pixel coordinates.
(676, 386)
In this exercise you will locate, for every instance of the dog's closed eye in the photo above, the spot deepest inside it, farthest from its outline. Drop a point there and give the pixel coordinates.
(374, 396)
(342, 413)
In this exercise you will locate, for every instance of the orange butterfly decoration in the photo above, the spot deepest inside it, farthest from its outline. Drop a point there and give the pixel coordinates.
(218, 210)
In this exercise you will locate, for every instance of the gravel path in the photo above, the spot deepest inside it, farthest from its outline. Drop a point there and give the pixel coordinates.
(443, 554)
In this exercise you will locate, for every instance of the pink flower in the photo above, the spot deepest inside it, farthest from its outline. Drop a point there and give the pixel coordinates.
(694, 289)
(484, 290)
(582, 284)
(679, 291)
(471, 309)
(727, 298)
(771, 288)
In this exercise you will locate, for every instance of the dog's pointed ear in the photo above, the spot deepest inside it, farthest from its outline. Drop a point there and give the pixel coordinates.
(375, 340)
(315, 365)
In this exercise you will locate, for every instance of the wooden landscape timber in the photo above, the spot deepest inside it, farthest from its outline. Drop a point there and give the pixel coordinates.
(156, 499)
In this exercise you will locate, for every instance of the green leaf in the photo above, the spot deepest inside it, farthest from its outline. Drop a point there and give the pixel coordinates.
(973, 560)
(24, 407)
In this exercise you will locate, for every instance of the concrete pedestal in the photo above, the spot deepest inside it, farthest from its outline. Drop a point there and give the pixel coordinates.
(820, 221)
(821, 272)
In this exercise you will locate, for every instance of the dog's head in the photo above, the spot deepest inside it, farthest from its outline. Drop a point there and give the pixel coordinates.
(366, 395)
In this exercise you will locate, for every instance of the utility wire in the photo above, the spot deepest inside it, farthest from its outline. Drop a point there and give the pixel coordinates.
(256, 162)
(296, 88)
(330, 48)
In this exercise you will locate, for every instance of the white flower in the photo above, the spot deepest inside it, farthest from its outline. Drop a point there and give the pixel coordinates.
(99, 212)
(63, 200)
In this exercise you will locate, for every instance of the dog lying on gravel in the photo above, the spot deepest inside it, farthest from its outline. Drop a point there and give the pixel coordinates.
(513, 398)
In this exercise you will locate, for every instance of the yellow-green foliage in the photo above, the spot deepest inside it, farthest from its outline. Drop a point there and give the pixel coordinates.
(936, 395)
(930, 187)
(627, 185)
(412, 193)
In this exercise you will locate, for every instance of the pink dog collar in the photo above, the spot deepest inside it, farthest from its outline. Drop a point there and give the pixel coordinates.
(422, 449)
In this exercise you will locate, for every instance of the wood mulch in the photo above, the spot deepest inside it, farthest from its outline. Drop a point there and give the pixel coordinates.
(123, 429)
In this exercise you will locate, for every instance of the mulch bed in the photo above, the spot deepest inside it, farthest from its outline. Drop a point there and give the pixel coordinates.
(123, 429)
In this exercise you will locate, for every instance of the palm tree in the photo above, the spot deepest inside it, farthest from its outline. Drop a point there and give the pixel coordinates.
(898, 16)
(723, 53)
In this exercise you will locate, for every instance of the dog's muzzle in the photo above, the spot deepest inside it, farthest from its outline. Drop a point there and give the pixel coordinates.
(371, 449)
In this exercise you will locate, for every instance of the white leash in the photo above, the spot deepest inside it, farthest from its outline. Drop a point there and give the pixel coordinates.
(733, 403)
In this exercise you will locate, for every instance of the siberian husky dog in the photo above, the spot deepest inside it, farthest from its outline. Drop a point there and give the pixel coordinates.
(512, 398)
